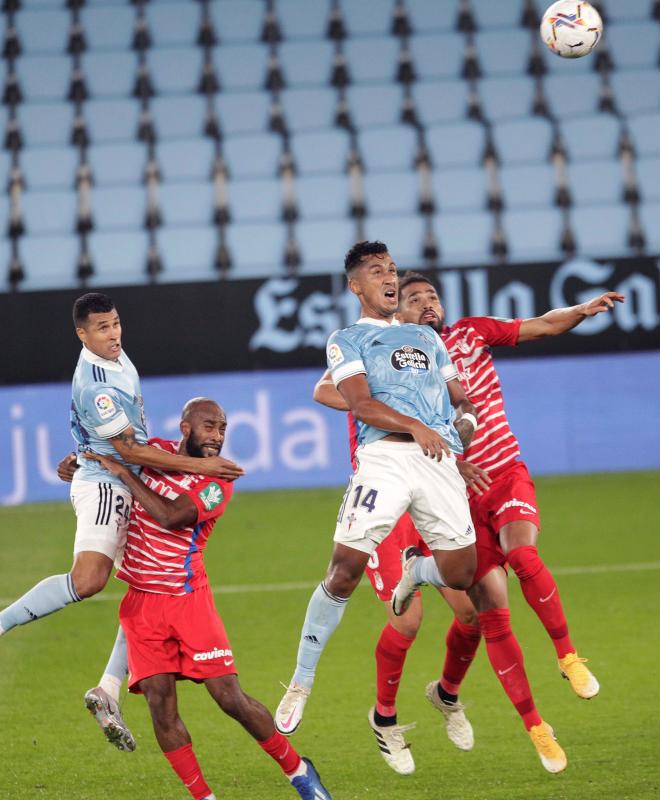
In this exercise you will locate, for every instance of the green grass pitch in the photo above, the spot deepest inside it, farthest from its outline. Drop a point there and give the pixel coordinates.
(601, 536)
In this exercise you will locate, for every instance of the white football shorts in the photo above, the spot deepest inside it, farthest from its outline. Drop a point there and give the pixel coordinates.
(102, 512)
(395, 477)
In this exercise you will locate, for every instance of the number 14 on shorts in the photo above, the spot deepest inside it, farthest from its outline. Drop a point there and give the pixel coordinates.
(358, 496)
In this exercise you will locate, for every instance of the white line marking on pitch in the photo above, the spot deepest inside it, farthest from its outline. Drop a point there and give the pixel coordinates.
(247, 588)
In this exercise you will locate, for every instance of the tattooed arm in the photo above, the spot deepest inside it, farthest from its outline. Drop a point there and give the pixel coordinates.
(144, 455)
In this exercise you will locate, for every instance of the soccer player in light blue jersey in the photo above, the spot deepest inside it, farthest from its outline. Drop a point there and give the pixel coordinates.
(106, 417)
(399, 382)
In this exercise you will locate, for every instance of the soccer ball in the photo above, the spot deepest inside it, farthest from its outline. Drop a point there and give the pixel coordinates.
(571, 29)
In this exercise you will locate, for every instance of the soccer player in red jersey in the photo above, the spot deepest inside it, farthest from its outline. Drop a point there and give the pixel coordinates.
(172, 627)
(505, 515)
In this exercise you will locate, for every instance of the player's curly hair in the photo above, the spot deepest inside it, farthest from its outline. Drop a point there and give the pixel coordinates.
(360, 250)
(414, 277)
(90, 303)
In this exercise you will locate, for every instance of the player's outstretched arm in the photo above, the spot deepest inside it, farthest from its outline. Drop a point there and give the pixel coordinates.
(356, 393)
(327, 394)
(466, 423)
(560, 320)
(144, 455)
(170, 514)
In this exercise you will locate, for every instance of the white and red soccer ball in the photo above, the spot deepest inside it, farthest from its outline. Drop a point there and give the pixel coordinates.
(571, 29)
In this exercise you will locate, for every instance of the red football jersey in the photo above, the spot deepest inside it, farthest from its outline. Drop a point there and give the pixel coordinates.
(171, 562)
(468, 342)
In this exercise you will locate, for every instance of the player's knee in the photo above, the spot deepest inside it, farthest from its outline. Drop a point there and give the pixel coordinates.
(87, 584)
(467, 616)
(459, 577)
(233, 701)
(342, 578)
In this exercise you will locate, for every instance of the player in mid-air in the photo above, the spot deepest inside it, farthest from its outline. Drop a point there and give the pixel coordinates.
(172, 627)
(398, 381)
(106, 417)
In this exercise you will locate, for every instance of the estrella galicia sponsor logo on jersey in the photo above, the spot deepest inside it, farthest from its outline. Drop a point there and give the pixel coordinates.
(211, 496)
(210, 655)
(410, 359)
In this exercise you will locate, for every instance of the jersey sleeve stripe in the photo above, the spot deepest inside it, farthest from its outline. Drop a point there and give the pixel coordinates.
(348, 370)
(114, 427)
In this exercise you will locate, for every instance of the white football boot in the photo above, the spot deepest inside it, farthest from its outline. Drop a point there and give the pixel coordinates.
(392, 745)
(290, 710)
(458, 725)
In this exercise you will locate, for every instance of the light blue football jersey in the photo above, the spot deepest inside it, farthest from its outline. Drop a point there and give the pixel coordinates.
(407, 368)
(105, 399)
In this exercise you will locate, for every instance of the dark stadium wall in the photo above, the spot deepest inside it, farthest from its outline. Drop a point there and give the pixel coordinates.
(284, 322)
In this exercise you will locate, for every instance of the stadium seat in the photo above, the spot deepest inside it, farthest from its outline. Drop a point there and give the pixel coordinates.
(241, 66)
(460, 189)
(457, 144)
(372, 59)
(525, 140)
(242, 112)
(306, 63)
(594, 137)
(528, 186)
(644, 130)
(404, 236)
(49, 261)
(257, 249)
(437, 55)
(324, 244)
(323, 196)
(108, 27)
(637, 90)
(49, 213)
(118, 163)
(506, 98)
(43, 30)
(388, 148)
(440, 101)
(565, 66)
(172, 23)
(302, 19)
(464, 238)
(501, 14)
(601, 230)
(630, 10)
(188, 253)
(392, 193)
(255, 200)
(650, 218)
(635, 44)
(186, 203)
(5, 165)
(112, 120)
(44, 77)
(375, 105)
(569, 95)
(119, 257)
(177, 117)
(533, 234)
(255, 156)
(503, 52)
(175, 69)
(34, 129)
(325, 151)
(307, 109)
(186, 159)
(429, 15)
(367, 17)
(47, 168)
(237, 20)
(648, 174)
(111, 73)
(595, 182)
(119, 207)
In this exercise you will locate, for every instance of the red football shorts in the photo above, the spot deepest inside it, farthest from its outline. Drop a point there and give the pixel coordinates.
(384, 566)
(180, 634)
(511, 497)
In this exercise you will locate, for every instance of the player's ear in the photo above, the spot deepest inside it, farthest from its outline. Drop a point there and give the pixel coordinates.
(184, 427)
(354, 285)
(81, 333)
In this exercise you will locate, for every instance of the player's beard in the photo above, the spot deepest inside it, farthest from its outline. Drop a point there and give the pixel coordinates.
(436, 323)
(194, 448)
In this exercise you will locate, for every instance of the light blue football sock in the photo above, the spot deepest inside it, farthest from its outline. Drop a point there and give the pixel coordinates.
(324, 613)
(425, 570)
(117, 666)
(50, 595)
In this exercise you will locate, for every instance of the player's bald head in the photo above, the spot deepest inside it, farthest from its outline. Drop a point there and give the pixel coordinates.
(200, 405)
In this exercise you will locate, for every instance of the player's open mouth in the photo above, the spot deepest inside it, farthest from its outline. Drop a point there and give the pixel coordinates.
(390, 294)
(429, 316)
(214, 449)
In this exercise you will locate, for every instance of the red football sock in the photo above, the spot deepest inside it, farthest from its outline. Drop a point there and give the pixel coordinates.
(462, 641)
(184, 763)
(279, 748)
(541, 593)
(391, 652)
(506, 659)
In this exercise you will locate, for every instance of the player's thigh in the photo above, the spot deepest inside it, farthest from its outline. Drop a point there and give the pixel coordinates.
(377, 495)
(440, 508)
(102, 513)
(512, 498)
